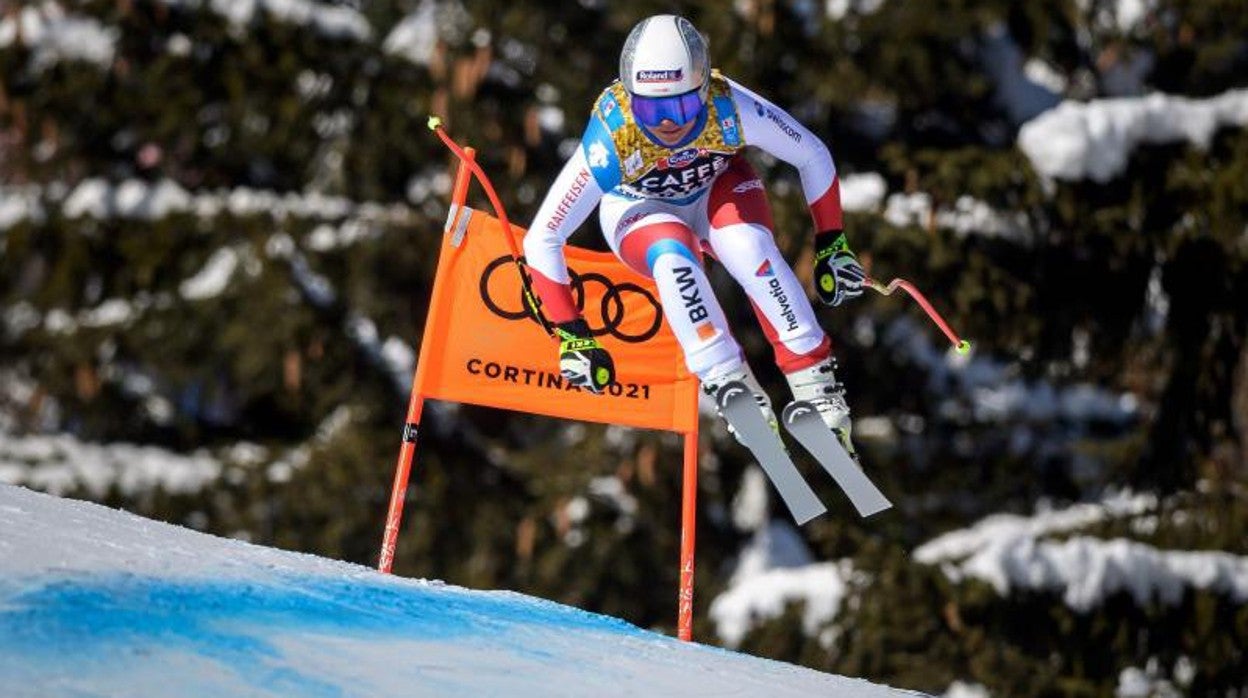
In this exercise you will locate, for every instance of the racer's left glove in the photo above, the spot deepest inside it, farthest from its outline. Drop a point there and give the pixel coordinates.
(838, 275)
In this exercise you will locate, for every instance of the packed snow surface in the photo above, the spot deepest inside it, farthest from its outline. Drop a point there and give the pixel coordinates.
(97, 602)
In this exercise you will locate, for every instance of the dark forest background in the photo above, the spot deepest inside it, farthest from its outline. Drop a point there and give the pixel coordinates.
(1136, 287)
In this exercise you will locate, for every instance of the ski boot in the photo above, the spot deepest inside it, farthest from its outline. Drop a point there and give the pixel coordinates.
(818, 385)
(713, 382)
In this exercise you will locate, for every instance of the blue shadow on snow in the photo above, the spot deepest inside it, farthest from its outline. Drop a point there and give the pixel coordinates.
(102, 618)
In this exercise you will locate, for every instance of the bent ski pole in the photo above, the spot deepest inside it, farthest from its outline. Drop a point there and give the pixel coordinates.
(435, 125)
(961, 345)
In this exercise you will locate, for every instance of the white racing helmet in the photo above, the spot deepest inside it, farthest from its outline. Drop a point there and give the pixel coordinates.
(665, 68)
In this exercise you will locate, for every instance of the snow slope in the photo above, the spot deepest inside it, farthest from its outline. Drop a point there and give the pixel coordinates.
(97, 602)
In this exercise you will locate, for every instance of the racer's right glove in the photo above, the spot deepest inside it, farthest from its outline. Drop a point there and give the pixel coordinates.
(582, 359)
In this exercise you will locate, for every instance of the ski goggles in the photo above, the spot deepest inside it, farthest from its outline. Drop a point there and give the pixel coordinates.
(679, 109)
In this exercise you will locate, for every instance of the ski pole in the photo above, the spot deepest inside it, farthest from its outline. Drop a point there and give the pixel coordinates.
(435, 124)
(962, 346)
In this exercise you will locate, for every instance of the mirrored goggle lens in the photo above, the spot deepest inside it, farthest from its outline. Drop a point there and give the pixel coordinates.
(679, 109)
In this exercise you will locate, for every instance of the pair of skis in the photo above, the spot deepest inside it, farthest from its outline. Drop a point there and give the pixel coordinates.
(801, 419)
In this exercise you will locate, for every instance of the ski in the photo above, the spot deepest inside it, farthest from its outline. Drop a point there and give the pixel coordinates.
(737, 405)
(802, 420)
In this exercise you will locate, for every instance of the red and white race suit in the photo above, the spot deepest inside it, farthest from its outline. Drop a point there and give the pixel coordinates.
(662, 207)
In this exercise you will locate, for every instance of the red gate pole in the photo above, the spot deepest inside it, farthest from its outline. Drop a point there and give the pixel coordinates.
(688, 530)
(416, 402)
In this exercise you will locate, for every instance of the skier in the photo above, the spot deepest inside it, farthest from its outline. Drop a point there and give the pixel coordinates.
(662, 155)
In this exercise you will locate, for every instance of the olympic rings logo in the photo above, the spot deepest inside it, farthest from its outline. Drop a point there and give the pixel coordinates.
(610, 313)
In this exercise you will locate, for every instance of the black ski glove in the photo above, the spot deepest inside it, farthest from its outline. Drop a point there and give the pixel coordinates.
(838, 275)
(582, 359)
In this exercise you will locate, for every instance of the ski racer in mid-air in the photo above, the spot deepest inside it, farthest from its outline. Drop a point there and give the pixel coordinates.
(662, 157)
